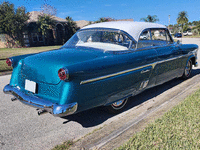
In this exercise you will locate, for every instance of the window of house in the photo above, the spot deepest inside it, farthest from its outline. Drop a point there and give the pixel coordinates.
(40, 37)
(25, 36)
(37, 37)
(34, 37)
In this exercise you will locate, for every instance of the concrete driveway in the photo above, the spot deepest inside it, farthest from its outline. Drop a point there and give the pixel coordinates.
(21, 127)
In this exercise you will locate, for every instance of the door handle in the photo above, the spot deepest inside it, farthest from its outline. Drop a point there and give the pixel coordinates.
(144, 71)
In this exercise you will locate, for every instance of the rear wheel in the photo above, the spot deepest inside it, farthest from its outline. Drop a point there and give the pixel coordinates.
(118, 106)
(188, 69)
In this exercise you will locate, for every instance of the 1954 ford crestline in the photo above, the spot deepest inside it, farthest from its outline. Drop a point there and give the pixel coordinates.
(101, 65)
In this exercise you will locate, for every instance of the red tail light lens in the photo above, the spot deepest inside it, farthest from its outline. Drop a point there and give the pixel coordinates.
(9, 62)
(63, 74)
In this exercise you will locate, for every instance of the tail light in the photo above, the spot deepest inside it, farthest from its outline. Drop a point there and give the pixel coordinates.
(63, 74)
(9, 61)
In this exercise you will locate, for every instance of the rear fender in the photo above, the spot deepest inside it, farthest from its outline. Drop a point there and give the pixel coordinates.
(16, 59)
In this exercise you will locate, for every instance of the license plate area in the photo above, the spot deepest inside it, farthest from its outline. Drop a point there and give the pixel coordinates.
(30, 86)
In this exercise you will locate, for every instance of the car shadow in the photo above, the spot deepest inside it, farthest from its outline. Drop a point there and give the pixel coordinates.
(96, 116)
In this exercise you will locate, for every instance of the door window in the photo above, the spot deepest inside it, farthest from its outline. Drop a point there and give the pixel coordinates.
(144, 39)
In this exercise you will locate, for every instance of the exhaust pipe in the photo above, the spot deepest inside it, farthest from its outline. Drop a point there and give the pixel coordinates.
(13, 99)
(41, 112)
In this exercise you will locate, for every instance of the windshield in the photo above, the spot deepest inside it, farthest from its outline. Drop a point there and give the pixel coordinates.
(101, 39)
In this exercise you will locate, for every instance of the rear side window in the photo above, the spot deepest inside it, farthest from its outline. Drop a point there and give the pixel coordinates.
(160, 37)
(154, 37)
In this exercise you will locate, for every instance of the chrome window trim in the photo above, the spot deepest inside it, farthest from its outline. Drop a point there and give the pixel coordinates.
(130, 70)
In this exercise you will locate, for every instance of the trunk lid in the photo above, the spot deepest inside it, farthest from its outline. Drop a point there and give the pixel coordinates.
(43, 67)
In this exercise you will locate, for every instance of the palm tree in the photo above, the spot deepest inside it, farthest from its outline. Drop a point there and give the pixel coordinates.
(197, 28)
(176, 28)
(71, 27)
(150, 18)
(45, 23)
(182, 19)
(102, 19)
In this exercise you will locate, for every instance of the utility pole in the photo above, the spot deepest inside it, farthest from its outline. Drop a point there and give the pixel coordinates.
(169, 22)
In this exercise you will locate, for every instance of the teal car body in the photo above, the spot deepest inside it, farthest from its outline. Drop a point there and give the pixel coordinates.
(88, 72)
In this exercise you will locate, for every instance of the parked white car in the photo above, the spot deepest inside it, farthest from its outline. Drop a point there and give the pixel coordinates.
(187, 33)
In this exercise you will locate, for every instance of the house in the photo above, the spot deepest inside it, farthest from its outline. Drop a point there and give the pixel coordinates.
(82, 23)
(56, 36)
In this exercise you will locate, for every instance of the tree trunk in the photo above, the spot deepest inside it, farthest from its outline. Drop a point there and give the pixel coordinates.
(182, 30)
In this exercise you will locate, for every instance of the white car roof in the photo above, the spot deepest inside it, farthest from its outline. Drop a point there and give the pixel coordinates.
(132, 28)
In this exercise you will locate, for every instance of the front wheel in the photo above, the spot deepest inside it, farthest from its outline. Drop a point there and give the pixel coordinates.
(118, 106)
(188, 69)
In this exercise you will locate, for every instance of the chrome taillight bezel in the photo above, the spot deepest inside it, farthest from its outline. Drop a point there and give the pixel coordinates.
(63, 74)
(9, 61)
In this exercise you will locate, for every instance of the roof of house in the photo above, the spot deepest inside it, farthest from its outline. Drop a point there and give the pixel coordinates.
(124, 20)
(82, 23)
(132, 28)
(34, 17)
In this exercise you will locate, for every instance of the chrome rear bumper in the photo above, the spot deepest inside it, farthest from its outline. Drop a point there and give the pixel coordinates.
(54, 109)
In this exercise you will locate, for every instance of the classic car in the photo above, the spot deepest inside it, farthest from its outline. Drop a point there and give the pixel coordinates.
(101, 65)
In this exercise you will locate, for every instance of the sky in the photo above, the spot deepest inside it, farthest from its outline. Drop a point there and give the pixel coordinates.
(92, 10)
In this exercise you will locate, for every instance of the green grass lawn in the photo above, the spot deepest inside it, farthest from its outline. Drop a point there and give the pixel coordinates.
(177, 129)
(192, 36)
(4, 66)
(9, 52)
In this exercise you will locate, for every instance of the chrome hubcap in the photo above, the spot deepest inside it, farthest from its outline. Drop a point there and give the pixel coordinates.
(188, 69)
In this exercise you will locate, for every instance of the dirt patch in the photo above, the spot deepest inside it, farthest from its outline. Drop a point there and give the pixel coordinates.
(5, 73)
(2, 45)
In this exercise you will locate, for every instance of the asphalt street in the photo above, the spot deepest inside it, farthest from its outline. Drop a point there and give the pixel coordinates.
(21, 127)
